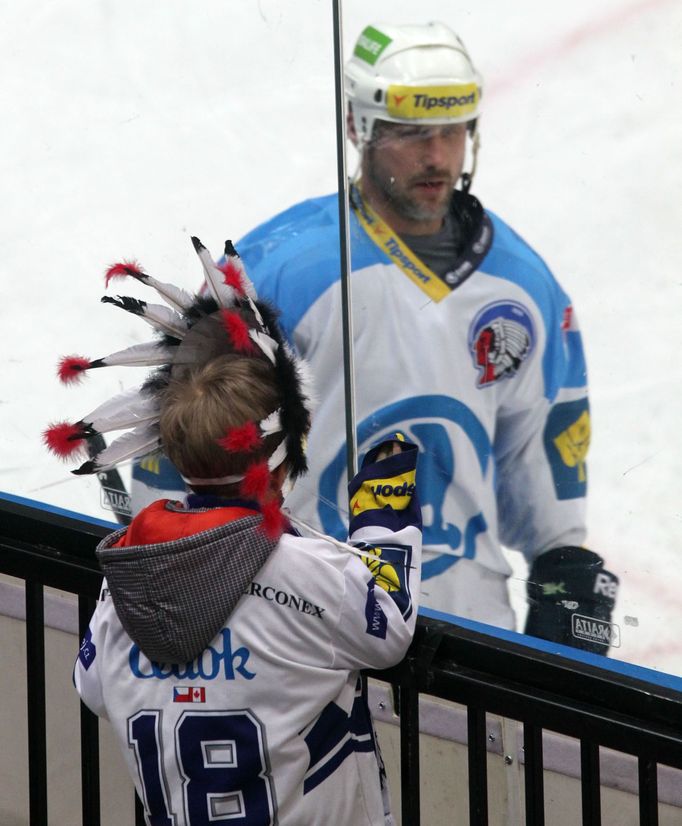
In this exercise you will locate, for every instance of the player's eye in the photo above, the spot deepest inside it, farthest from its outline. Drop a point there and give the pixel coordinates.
(452, 130)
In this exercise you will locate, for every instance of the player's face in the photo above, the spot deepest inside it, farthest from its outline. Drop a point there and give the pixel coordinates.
(409, 172)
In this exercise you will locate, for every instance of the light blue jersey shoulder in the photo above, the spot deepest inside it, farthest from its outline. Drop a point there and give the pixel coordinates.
(295, 256)
(510, 258)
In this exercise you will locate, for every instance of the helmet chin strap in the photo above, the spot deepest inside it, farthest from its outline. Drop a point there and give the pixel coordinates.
(468, 177)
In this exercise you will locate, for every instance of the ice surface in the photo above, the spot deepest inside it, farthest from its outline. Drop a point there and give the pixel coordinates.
(126, 127)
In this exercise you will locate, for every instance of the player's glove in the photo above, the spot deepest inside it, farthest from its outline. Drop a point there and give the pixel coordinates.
(571, 597)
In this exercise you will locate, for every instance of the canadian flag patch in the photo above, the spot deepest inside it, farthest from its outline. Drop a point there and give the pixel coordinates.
(188, 694)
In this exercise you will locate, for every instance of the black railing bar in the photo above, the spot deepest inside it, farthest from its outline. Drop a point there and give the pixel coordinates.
(631, 735)
(410, 802)
(90, 763)
(90, 775)
(139, 813)
(578, 680)
(581, 684)
(50, 528)
(55, 569)
(590, 783)
(534, 781)
(35, 691)
(648, 792)
(477, 756)
(626, 734)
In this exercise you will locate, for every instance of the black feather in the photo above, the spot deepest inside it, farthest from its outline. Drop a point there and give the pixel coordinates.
(294, 414)
(125, 302)
(203, 305)
(157, 381)
(85, 468)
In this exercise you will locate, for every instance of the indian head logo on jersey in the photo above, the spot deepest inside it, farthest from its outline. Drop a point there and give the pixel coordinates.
(500, 338)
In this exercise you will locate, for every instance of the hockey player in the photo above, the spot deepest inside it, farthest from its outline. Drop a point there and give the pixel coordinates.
(462, 338)
(225, 647)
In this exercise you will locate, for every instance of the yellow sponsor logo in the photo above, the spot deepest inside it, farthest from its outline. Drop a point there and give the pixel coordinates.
(151, 463)
(432, 101)
(573, 444)
(400, 253)
(374, 494)
(384, 573)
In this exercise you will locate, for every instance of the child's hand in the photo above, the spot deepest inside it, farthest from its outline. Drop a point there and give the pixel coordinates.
(390, 449)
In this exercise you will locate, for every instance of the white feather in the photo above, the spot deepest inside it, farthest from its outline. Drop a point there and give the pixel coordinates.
(149, 354)
(247, 283)
(265, 343)
(271, 424)
(305, 381)
(124, 410)
(178, 298)
(132, 445)
(256, 312)
(225, 295)
(166, 320)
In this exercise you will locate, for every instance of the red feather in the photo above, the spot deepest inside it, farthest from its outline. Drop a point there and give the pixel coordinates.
(238, 331)
(71, 368)
(256, 481)
(232, 275)
(274, 521)
(242, 439)
(122, 269)
(64, 439)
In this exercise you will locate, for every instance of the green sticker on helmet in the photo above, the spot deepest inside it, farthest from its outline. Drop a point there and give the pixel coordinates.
(370, 45)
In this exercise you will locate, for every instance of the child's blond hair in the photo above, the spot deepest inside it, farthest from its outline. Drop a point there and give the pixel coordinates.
(203, 403)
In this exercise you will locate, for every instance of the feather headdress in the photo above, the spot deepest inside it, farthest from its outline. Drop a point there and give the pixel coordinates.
(191, 330)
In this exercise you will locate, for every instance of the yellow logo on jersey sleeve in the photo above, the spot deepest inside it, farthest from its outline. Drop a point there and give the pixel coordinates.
(151, 463)
(573, 444)
(385, 575)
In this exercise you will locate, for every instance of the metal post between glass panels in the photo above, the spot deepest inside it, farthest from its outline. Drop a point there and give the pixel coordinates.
(478, 767)
(533, 775)
(35, 690)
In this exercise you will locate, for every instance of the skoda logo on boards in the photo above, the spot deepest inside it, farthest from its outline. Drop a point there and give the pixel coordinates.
(425, 420)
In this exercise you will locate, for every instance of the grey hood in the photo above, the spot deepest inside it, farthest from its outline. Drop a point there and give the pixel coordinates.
(173, 597)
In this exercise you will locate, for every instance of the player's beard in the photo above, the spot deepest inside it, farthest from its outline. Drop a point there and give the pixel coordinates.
(398, 194)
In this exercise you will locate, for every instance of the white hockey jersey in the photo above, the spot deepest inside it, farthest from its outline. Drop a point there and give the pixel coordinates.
(482, 368)
(265, 723)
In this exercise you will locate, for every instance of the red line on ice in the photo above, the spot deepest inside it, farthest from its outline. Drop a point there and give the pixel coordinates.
(527, 66)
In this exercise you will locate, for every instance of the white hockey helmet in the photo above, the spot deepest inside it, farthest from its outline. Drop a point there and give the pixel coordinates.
(411, 73)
